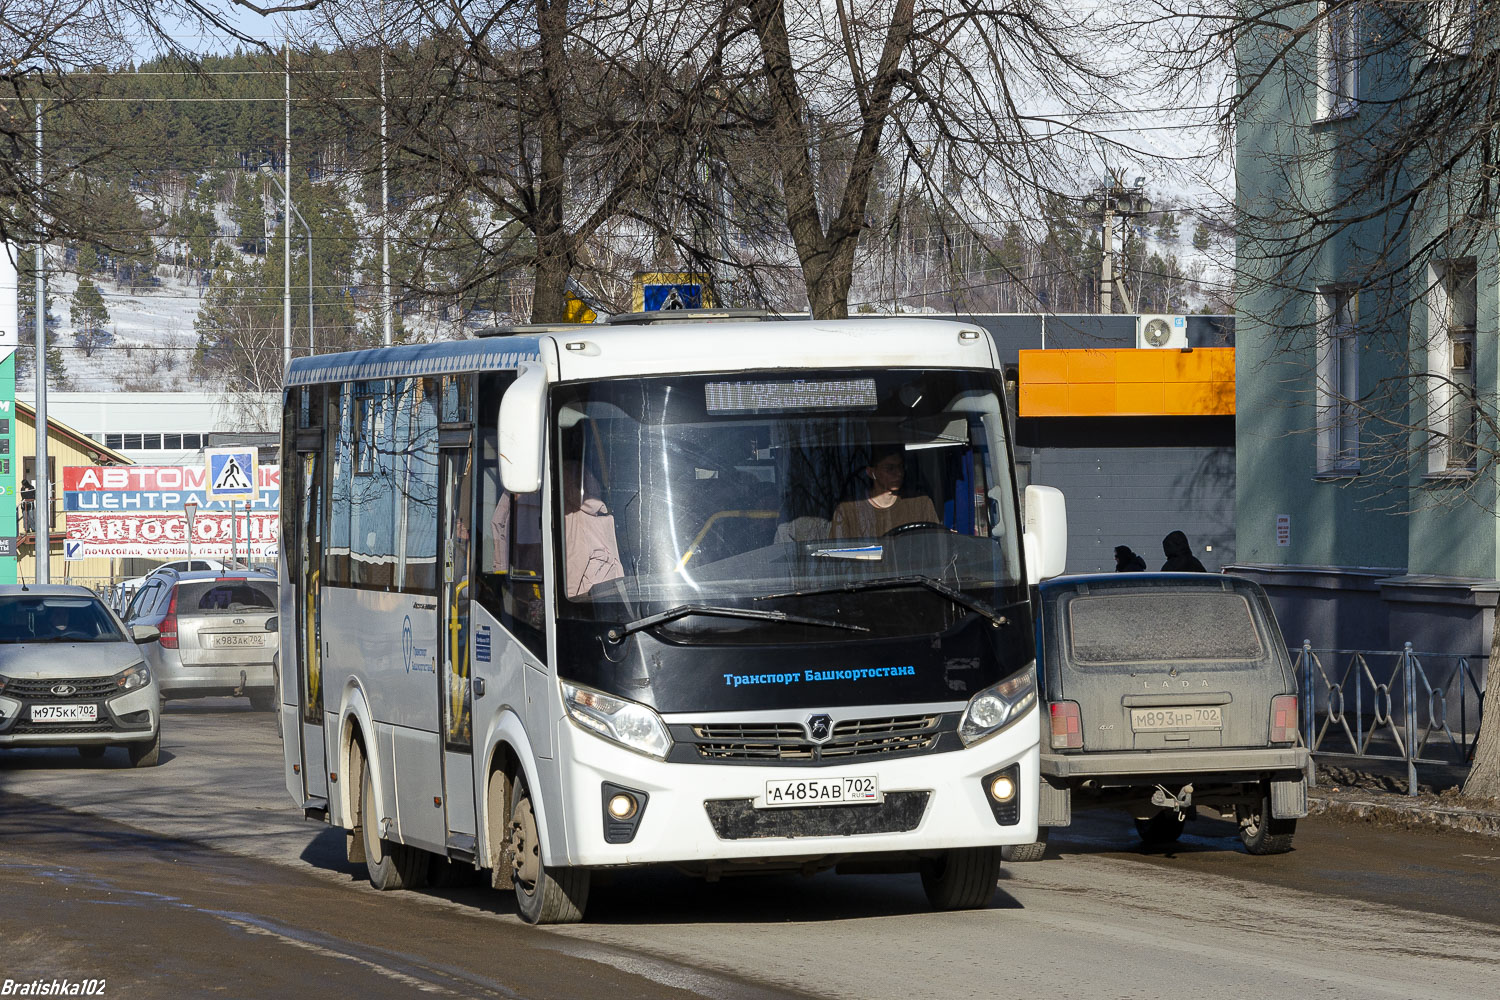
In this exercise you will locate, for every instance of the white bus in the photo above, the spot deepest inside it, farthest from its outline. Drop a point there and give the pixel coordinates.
(723, 596)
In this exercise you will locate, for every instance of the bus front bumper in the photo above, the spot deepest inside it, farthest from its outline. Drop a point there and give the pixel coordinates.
(717, 813)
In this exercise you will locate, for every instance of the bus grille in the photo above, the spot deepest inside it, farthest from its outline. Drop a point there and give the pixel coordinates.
(738, 819)
(788, 742)
(83, 688)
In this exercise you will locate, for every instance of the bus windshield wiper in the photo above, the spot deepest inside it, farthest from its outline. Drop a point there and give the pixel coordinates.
(890, 582)
(619, 632)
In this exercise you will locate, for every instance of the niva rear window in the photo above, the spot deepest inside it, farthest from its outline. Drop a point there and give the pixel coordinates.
(1136, 628)
(225, 597)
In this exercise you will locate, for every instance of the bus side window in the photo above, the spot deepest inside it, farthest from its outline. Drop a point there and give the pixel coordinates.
(511, 582)
(515, 545)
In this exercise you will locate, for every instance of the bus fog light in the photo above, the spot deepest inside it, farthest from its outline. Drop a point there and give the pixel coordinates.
(1003, 790)
(624, 808)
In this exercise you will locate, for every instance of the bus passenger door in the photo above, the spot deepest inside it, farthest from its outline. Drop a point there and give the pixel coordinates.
(457, 710)
(309, 551)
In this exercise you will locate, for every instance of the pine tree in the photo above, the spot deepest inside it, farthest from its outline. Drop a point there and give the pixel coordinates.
(90, 319)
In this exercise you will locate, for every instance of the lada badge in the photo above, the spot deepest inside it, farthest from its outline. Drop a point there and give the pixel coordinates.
(63, 690)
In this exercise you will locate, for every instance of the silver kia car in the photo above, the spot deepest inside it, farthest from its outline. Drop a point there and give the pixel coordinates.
(72, 675)
(216, 633)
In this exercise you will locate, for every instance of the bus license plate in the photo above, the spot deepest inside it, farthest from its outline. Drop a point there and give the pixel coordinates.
(64, 713)
(822, 792)
(224, 641)
(1177, 717)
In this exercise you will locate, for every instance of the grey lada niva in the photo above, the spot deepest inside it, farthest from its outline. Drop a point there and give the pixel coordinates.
(1165, 693)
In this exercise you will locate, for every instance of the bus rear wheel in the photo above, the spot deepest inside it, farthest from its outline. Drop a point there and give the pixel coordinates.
(391, 866)
(962, 879)
(543, 895)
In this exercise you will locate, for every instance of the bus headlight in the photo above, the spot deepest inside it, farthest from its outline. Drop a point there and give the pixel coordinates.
(627, 723)
(994, 708)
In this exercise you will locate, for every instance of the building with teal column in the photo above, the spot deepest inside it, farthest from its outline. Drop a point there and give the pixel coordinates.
(9, 339)
(1366, 318)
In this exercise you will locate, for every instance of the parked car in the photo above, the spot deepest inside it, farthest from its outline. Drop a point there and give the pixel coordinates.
(71, 674)
(125, 591)
(1166, 693)
(217, 634)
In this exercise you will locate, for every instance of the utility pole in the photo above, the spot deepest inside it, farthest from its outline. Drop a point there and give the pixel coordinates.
(286, 229)
(43, 516)
(265, 168)
(1106, 203)
(385, 202)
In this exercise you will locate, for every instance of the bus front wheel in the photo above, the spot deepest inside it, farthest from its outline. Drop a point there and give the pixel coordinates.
(962, 879)
(543, 895)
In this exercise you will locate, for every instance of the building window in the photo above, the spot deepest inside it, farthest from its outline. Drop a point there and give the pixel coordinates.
(1450, 27)
(151, 442)
(1338, 58)
(171, 442)
(116, 441)
(1338, 380)
(132, 442)
(1452, 305)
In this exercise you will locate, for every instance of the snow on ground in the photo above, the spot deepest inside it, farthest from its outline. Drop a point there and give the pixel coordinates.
(154, 338)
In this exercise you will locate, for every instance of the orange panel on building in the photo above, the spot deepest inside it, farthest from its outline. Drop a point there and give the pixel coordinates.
(1127, 382)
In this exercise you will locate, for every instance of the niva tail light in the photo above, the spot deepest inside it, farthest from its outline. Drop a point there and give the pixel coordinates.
(1284, 718)
(1067, 726)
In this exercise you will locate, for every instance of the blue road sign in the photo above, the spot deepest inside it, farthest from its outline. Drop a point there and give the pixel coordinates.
(231, 474)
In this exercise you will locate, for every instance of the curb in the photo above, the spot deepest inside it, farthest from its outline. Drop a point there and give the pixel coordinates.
(1404, 815)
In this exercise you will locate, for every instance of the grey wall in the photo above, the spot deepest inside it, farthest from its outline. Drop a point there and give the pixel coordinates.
(1136, 496)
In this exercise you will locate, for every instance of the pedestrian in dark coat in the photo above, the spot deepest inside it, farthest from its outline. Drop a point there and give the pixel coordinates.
(1180, 558)
(1127, 561)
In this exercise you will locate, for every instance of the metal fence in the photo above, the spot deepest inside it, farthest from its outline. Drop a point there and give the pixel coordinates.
(1391, 705)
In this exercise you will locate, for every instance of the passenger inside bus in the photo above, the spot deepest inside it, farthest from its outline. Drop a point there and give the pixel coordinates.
(885, 505)
(592, 551)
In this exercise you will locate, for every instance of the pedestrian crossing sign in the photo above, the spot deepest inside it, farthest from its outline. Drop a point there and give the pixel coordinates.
(231, 474)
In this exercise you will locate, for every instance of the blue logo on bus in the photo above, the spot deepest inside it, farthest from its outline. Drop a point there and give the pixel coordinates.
(408, 643)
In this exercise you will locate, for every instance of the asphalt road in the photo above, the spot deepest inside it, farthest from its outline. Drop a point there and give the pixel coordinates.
(200, 877)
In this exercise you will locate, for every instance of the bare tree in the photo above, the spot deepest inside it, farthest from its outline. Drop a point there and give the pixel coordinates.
(519, 131)
(982, 112)
(1366, 218)
(50, 51)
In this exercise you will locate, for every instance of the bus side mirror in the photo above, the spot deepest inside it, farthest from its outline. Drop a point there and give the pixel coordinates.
(1046, 534)
(522, 419)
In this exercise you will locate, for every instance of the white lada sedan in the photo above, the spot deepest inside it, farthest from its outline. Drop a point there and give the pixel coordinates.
(72, 675)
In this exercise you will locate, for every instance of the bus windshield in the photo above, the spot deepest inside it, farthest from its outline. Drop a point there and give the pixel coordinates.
(752, 490)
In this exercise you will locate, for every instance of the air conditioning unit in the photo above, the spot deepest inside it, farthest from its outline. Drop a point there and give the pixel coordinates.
(1161, 331)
